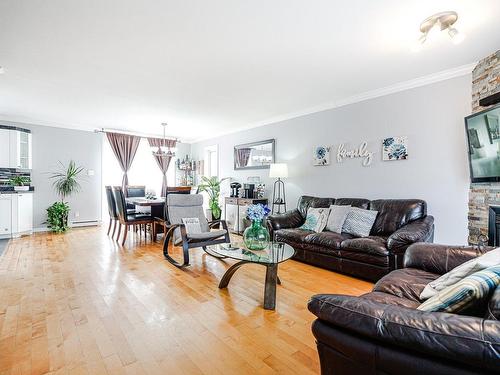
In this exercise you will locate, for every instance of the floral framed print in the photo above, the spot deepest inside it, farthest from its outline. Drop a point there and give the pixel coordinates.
(395, 148)
(321, 155)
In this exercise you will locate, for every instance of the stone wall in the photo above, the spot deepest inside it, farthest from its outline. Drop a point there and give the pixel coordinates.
(485, 82)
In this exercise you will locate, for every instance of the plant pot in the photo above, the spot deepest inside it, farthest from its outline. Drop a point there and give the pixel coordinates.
(256, 236)
(21, 188)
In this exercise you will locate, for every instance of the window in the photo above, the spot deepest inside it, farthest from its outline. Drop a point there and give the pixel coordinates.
(211, 161)
(144, 170)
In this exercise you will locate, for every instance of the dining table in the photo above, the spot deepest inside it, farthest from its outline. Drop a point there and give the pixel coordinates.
(156, 204)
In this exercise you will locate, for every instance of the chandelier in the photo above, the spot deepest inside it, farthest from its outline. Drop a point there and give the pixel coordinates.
(165, 149)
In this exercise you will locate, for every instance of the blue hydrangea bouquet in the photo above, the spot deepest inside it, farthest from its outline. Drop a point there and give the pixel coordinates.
(257, 212)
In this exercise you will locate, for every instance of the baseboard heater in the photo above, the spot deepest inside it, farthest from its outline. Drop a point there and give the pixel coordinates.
(85, 223)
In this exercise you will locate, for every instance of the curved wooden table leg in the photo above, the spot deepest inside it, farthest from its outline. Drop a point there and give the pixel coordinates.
(205, 249)
(272, 280)
(230, 272)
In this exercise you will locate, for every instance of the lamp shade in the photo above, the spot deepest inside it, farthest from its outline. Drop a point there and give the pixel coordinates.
(278, 170)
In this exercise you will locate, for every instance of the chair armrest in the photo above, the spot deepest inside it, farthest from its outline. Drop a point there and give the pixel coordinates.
(420, 230)
(438, 259)
(290, 219)
(214, 223)
(461, 338)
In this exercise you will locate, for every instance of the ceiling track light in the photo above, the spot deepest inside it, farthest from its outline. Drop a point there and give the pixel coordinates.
(441, 21)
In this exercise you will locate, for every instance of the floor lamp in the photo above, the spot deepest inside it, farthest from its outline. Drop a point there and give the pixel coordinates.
(279, 171)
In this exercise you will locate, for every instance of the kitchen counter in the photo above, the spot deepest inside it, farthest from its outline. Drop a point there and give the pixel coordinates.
(10, 190)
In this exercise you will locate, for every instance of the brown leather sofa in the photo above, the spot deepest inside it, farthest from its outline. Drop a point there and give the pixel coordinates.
(382, 332)
(399, 223)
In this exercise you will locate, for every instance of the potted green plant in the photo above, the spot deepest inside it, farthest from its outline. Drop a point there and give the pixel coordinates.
(211, 185)
(65, 183)
(20, 183)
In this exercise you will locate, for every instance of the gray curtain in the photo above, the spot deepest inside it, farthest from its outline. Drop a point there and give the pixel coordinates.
(163, 162)
(242, 156)
(124, 147)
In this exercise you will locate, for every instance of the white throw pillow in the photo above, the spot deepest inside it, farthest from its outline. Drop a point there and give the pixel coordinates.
(192, 225)
(316, 219)
(359, 222)
(336, 218)
(490, 259)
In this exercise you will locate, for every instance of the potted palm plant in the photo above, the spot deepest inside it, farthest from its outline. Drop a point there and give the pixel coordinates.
(211, 185)
(20, 183)
(65, 183)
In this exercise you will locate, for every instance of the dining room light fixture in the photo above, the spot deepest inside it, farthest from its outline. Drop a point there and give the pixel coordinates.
(442, 21)
(165, 150)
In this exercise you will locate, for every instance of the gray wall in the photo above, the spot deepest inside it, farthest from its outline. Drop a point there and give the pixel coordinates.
(436, 170)
(51, 145)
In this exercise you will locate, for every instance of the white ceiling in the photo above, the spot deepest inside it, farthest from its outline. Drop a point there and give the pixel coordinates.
(212, 67)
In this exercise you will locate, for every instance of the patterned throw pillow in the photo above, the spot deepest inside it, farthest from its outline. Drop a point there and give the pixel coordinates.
(470, 291)
(316, 219)
(359, 222)
(489, 259)
(336, 218)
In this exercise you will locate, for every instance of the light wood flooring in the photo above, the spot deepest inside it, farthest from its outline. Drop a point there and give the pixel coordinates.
(81, 304)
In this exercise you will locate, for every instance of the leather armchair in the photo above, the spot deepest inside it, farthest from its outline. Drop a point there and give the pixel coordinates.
(383, 332)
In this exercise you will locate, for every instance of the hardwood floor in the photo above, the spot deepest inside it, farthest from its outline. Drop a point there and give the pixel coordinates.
(81, 304)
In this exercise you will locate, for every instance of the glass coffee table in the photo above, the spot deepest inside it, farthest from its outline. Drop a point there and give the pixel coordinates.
(274, 254)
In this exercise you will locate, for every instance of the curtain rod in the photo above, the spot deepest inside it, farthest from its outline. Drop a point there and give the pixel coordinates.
(142, 135)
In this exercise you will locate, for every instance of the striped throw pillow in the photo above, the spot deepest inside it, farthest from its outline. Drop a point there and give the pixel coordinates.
(359, 222)
(469, 291)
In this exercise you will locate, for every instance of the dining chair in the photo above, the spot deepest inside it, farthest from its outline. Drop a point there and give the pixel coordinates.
(126, 219)
(182, 206)
(113, 214)
(160, 221)
(134, 191)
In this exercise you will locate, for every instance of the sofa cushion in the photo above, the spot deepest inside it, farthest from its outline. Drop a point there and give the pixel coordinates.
(468, 294)
(316, 219)
(371, 259)
(493, 310)
(372, 245)
(336, 218)
(394, 213)
(327, 239)
(489, 259)
(390, 299)
(354, 202)
(306, 201)
(292, 235)
(359, 222)
(405, 283)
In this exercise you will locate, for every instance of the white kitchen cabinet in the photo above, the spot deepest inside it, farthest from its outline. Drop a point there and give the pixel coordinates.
(16, 214)
(5, 215)
(22, 214)
(4, 148)
(20, 149)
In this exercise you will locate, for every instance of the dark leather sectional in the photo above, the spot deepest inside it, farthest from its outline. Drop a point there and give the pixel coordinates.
(382, 332)
(399, 223)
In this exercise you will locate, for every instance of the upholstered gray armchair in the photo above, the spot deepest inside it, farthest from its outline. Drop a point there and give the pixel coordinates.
(182, 206)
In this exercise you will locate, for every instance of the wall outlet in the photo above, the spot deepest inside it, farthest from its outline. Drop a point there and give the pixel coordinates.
(77, 214)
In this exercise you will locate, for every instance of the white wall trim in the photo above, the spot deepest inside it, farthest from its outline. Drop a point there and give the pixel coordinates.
(372, 94)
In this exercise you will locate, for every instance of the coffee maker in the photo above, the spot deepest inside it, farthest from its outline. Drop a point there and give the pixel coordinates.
(248, 191)
(235, 186)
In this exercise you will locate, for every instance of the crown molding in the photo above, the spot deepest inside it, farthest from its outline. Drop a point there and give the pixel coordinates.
(372, 94)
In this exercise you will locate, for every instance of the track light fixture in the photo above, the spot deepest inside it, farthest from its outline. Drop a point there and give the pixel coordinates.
(442, 21)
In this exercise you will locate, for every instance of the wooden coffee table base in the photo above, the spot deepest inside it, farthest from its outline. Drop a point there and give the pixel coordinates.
(270, 286)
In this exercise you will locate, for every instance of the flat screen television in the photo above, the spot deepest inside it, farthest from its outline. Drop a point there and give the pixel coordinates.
(483, 138)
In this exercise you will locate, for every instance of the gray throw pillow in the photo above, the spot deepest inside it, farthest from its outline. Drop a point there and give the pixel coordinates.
(336, 218)
(359, 222)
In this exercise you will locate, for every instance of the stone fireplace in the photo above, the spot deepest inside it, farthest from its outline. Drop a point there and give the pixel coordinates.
(485, 82)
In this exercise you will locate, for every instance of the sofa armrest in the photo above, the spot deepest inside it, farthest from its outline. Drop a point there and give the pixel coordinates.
(438, 259)
(290, 219)
(420, 230)
(461, 338)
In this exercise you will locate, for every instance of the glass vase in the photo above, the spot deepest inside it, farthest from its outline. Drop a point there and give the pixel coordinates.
(256, 236)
